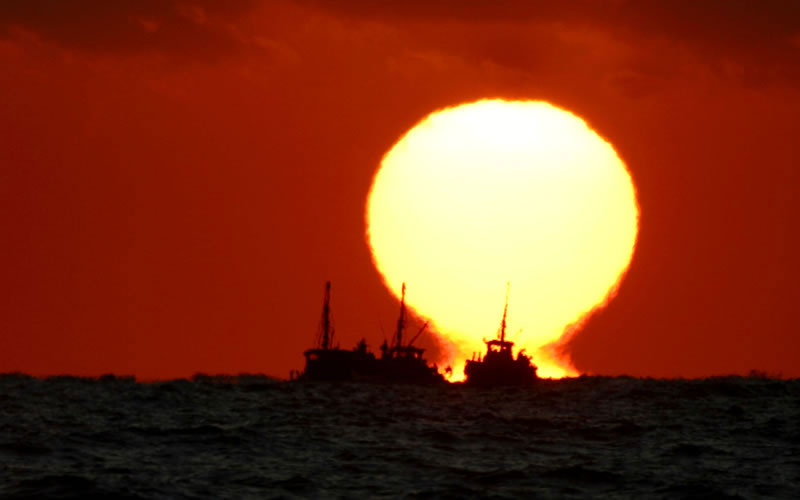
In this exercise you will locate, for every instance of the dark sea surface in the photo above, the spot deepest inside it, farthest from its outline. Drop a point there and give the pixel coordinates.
(240, 437)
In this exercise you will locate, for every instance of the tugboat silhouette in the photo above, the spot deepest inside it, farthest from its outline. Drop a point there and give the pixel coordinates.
(399, 363)
(498, 367)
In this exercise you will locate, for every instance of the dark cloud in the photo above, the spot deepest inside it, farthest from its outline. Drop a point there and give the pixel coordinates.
(463, 10)
(195, 26)
(713, 19)
(752, 41)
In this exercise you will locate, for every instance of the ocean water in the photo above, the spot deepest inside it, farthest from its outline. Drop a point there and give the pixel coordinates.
(249, 436)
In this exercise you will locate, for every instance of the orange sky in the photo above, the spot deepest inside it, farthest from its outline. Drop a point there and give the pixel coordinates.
(179, 178)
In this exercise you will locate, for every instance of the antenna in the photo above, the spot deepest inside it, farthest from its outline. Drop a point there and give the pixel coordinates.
(505, 313)
(327, 333)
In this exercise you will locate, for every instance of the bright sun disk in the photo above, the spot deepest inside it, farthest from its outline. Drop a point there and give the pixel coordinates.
(497, 191)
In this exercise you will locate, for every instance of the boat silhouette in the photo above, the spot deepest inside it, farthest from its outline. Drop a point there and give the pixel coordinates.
(333, 364)
(400, 363)
(404, 363)
(498, 367)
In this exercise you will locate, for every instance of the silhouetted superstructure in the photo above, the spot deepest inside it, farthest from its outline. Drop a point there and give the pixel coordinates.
(399, 364)
(326, 363)
(499, 367)
(404, 363)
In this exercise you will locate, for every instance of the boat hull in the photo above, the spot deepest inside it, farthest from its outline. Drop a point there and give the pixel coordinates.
(498, 373)
(338, 365)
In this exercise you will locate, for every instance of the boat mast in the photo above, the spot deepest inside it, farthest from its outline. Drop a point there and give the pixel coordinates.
(401, 321)
(505, 312)
(326, 318)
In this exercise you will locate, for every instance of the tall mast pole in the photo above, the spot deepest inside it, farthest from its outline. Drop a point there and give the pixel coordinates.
(326, 317)
(401, 321)
(505, 312)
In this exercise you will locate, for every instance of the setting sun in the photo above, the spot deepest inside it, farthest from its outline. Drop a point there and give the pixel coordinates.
(500, 191)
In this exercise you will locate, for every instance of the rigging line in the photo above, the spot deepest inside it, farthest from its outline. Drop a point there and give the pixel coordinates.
(420, 332)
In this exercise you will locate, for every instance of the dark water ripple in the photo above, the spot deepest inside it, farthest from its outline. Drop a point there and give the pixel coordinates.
(229, 437)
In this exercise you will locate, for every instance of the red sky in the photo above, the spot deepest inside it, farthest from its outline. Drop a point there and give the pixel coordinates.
(179, 178)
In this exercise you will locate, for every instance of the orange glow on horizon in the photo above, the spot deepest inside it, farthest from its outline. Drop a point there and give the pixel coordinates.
(503, 191)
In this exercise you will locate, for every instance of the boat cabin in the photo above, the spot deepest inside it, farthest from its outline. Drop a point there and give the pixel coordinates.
(402, 351)
(502, 347)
